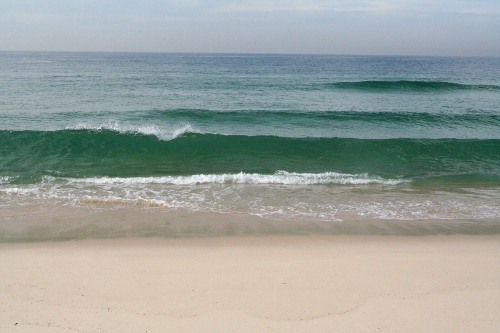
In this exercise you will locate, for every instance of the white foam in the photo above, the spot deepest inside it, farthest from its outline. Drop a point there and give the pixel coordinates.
(162, 133)
(21, 191)
(280, 177)
(6, 179)
(326, 203)
(267, 196)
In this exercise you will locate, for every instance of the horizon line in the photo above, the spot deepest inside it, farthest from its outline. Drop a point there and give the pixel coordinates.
(260, 53)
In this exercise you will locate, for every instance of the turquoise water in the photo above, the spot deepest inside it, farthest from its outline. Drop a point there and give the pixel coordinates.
(317, 138)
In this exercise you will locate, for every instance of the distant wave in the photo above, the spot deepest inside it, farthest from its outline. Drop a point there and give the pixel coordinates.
(389, 117)
(404, 85)
(169, 124)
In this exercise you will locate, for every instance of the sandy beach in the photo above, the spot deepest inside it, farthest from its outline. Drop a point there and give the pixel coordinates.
(253, 284)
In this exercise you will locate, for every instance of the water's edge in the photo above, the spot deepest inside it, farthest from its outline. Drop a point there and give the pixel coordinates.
(40, 224)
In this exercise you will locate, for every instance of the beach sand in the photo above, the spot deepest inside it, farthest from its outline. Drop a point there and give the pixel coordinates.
(253, 284)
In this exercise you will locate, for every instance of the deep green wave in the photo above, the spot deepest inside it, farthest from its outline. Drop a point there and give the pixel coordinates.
(85, 153)
(402, 85)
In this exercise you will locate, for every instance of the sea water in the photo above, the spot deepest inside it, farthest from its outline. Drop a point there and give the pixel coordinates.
(315, 142)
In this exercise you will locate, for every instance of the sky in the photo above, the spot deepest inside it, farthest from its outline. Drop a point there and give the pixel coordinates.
(378, 27)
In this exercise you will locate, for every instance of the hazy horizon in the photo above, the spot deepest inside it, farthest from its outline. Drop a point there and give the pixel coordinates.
(384, 27)
(257, 53)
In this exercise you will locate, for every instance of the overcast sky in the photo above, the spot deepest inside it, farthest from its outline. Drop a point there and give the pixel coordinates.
(392, 27)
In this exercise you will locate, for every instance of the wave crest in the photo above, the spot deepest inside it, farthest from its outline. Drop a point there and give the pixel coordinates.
(411, 85)
(162, 133)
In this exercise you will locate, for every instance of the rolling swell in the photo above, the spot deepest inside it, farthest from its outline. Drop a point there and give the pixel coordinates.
(378, 117)
(410, 85)
(479, 117)
(29, 155)
(168, 124)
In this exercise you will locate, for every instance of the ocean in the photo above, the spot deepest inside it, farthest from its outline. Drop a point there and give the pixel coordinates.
(168, 145)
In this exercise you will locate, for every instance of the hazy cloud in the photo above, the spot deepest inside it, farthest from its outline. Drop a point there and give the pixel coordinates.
(439, 27)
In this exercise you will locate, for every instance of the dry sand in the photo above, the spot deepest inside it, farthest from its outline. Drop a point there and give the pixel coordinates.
(253, 284)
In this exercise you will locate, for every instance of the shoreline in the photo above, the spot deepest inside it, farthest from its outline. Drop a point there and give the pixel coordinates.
(66, 223)
(344, 283)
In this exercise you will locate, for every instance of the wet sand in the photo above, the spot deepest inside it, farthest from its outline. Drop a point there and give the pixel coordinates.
(253, 284)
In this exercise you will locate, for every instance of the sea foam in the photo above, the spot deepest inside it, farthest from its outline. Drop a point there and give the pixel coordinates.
(7, 179)
(165, 133)
(280, 177)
